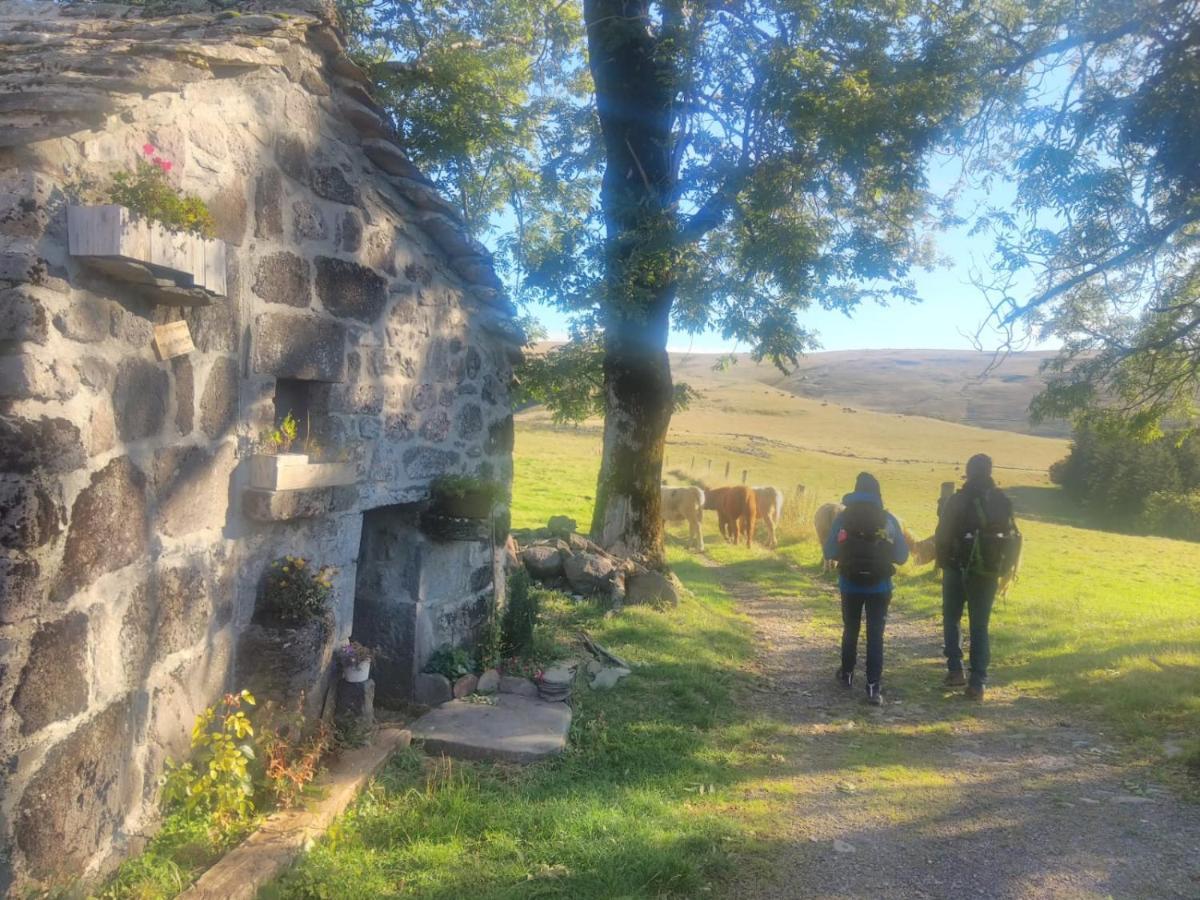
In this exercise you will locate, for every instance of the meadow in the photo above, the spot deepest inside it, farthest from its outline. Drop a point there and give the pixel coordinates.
(677, 783)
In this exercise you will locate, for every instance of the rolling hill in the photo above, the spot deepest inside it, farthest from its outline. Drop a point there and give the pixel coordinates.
(939, 384)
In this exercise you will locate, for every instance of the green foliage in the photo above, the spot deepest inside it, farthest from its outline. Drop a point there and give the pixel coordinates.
(1172, 515)
(149, 193)
(1114, 476)
(216, 782)
(295, 593)
(453, 662)
(1105, 222)
(569, 381)
(520, 614)
(281, 438)
(290, 753)
(460, 486)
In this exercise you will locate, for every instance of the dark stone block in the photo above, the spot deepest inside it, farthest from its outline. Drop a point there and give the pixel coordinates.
(49, 444)
(30, 513)
(308, 222)
(21, 588)
(304, 347)
(140, 399)
(109, 527)
(436, 427)
(53, 684)
(213, 327)
(350, 232)
(185, 394)
(501, 437)
(22, 317)
(348, 289)
(421, 463)
(424, 396)
(283, 506)
(283, 278)
(292, 155)
(470, 421)
(76, 801)
(481, 578)
(472, 364)
(331, 183)
(283, 664)
(218, 405)
(184, 608)
(356, 703)
(268, 205)
(136, 630)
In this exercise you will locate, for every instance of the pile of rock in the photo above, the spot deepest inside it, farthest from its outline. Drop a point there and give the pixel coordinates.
(561, 558)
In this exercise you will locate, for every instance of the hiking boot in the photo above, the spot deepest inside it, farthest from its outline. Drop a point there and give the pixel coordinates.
(955, 678)
(845, 679)
(975, 692)
(874, 696)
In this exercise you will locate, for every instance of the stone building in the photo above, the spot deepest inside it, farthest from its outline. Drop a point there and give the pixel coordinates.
(346, 292)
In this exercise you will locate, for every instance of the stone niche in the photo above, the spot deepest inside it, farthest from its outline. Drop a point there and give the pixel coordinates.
(132, 543)
(414, 594)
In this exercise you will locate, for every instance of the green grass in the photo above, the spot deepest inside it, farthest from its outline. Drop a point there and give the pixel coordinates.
(670, 786)
(641, 804)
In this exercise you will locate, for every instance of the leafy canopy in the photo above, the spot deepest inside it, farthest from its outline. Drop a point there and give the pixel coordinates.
(1107, 213)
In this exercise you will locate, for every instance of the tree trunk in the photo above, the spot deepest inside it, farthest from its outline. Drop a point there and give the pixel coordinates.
(634, 92)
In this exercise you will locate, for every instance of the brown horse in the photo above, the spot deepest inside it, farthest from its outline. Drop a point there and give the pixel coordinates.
(737, 508)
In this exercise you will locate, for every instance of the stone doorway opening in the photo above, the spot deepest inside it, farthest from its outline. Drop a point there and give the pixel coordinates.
(414, 594)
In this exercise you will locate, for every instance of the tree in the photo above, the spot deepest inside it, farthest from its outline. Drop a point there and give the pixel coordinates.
(750, 158)
(1107, 168)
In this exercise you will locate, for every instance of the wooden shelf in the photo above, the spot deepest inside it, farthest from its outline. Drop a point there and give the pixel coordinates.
(177, 269)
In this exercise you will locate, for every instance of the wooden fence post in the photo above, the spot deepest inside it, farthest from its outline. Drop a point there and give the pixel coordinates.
(745, 472)
(726, 471)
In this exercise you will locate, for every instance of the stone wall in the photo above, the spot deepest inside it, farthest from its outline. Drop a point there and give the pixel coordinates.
(132, 548)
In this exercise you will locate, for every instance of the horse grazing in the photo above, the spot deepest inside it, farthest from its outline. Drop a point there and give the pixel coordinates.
(823, 523)
(686, 504)
(737, 508)
(770, 510)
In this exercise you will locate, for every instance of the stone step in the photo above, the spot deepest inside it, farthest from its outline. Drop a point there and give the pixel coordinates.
(509, 728)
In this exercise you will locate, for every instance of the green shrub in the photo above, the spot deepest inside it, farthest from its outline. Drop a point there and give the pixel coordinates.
(459, 486)
(216, 782)
(520, 615)
(295, 593)
(453, 662)
(1172, 515)
(146, 191)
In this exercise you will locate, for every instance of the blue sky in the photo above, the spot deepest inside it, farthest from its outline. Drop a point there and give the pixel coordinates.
(950, 312)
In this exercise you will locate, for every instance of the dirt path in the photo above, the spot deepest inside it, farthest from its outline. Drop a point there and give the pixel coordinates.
(932, 797)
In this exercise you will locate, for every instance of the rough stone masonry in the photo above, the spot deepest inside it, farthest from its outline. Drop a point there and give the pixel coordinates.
(132, 547)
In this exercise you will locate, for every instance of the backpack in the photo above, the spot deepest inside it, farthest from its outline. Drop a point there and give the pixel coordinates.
(990, 542)
(864, 546)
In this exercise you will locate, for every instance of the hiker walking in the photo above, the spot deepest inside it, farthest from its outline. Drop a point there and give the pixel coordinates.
(868, 544)
(977, 543)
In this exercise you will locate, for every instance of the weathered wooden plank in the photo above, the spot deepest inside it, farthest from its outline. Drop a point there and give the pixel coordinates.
(172, 339)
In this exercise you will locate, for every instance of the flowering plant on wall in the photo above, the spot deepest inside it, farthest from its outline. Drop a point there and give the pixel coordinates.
(352, 654)
(296, 592)
(147, 191)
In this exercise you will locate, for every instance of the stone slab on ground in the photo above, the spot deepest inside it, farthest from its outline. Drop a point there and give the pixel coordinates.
(510, 729)
(272, 848)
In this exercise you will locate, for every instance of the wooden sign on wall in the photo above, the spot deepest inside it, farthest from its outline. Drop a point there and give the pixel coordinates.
(172, 339)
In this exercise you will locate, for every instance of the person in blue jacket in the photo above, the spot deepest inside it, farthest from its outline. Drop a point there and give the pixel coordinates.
(868, 543)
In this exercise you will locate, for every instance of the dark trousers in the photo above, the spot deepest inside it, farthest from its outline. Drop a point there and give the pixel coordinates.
(876, 606)
(976, 595)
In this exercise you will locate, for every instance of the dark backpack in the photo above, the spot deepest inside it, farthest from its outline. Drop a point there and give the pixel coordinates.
(989, 542)
(864, 547)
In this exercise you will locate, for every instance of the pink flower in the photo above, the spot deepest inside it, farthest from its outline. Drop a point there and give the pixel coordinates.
(148, 149)
(166, 165)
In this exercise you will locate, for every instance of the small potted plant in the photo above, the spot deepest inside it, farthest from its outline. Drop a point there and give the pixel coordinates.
(465, 496)
(355, 661)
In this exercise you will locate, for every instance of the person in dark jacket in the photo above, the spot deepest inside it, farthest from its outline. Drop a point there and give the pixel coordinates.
(868, 544)
(977, 512)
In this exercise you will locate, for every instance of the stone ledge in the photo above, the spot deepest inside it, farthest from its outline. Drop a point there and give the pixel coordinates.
(282, 506)
(283, 836)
